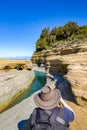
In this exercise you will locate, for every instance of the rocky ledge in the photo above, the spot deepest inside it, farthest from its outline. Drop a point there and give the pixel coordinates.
(16, 117)
(71, 60)
(14, 65)
(77, 76)
(12, 84)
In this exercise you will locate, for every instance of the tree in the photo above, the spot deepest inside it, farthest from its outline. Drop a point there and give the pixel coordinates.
(70, 28)
(44, 33)
(41, 44)
(60, 33)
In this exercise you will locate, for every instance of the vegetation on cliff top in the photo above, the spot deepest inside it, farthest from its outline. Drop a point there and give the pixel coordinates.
(71, 31)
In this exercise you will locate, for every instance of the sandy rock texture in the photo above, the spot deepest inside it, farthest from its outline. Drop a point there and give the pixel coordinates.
(19, 115)
(13, 81)
(71, 60)
(11, 65)
(77, 76)
(13, 84)
(16, 117)
(12, 118)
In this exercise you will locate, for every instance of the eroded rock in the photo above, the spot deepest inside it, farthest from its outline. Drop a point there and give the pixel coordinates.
(71, 60)
(13, 83)
(77, 76)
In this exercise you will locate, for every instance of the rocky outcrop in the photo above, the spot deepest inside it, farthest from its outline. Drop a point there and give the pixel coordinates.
(60, 63)
(13, 118)
(77, 76)
(12, 84)
(16, 117)
(13, 65)
(71, 60)
(62, 49)
(39, 57)
(75, 68)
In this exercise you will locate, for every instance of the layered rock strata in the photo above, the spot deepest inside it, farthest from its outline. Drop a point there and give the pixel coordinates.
(71, 60)
(13, 84)
(77, 76)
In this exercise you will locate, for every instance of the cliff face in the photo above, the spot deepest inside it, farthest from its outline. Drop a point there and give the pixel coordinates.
(15, 78)
(12, 85)
(70, 59)
(77, 76)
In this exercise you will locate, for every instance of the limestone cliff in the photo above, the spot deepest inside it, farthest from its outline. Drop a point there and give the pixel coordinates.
(15, 77)
(77, 76)
(12, 85)
(70, 59)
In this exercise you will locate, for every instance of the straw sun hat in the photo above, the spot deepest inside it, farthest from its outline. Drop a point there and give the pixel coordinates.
(47, 98)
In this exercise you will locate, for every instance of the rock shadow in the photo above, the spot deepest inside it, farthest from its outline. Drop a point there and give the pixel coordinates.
(63, 85)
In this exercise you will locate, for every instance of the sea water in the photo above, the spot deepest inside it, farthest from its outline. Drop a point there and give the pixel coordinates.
(37, 84)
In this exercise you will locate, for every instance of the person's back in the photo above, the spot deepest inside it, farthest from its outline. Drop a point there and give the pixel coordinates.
(47, 116)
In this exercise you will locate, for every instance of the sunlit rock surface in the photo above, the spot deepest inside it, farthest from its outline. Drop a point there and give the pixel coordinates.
(77, 76)
(71, 60)
(12, 82)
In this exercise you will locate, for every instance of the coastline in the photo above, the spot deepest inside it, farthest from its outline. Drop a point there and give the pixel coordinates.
(13, 118)
(12, 85)
(5, 106)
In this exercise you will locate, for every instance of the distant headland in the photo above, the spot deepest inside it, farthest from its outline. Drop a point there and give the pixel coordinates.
(18, 58)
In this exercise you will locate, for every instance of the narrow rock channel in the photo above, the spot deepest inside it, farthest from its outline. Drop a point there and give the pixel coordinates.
(20, 113)
(39, 81)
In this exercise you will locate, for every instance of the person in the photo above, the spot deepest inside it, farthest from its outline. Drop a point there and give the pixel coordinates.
(51, 111)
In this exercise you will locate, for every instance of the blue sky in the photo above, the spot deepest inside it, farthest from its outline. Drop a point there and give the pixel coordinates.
(21, 22)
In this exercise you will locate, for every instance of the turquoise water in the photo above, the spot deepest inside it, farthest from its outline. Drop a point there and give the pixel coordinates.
(39, 81)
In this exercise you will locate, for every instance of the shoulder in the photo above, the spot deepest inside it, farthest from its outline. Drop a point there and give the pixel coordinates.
(33, 112)
(36, 110)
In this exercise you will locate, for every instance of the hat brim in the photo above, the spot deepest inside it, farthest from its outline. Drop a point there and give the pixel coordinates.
(50, 103)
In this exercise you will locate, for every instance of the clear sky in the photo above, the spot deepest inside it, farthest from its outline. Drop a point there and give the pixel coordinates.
(21, 22)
